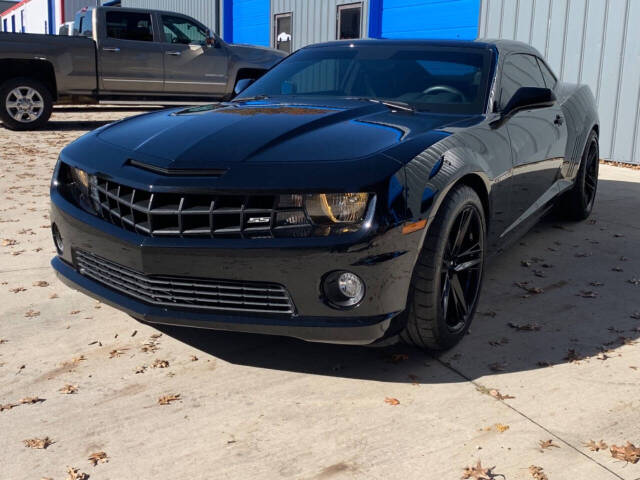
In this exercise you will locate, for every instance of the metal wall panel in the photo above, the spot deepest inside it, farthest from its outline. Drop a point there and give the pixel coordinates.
(315, 21)
(585, 41)
(202, 10)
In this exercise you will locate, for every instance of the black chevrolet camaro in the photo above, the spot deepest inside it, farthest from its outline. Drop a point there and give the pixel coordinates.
(352, 194)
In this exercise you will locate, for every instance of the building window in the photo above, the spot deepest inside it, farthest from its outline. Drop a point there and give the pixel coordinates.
(282, 33)
(22, 29)
(13, 23)
(349, 21)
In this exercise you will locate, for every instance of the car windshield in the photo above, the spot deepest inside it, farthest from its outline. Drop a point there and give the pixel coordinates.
(435, 79)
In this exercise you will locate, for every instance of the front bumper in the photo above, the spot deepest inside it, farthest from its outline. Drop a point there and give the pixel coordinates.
(384, 260)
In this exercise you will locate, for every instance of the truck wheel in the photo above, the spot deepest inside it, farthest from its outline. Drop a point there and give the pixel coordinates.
(25, 104)
(447, 278)
(578, 202)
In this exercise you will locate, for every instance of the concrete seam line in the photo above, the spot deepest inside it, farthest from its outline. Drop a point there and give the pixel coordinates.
(531, 420)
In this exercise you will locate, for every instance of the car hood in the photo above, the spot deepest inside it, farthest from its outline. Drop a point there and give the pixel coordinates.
(271, 132)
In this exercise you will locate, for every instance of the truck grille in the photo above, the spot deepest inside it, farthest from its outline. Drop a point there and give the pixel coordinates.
(193, 215)
(185, 292)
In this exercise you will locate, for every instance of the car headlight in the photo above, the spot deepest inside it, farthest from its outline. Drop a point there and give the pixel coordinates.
(81, 179)
(85, 191)
(336, 208)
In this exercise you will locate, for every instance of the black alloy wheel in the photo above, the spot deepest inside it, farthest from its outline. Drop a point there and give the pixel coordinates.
(578, 202)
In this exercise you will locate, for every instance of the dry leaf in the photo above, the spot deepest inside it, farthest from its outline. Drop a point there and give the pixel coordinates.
(588, 294)
(501, 428)
(74, 312)
(528, 288)
(496, 394)
(53, 295)
(478, 472)
(545, 444)
(141, 369)
(399, 357)
(392, 401)
(30, 400)
(194, 358)
(489, 313)
(573, 356)
(617, 269)
(635, 315)
(629, 453)
(497, 367)
(525, 327)
(75, 474)
(31, 313)
(18, 290)
(42, 443)
(117, 352)
(9, 242)
(69, 389)
(596, 446)
(160, 363)
(537, 473)
(98, 457)
(167, 399)
(40, 283)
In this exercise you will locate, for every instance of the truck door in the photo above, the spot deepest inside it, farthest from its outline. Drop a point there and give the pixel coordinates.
(130, 61)
(190, 65)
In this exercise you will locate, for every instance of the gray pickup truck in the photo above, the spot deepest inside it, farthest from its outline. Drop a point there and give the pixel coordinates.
(120, 56)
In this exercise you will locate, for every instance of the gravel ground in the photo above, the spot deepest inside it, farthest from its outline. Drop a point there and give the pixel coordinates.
(565, 362)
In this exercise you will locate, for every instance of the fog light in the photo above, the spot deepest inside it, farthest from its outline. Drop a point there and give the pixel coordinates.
(57, 239)
(344, 289)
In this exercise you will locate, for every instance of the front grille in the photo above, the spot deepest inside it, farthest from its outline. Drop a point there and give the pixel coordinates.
(193, 215)
(186, 292)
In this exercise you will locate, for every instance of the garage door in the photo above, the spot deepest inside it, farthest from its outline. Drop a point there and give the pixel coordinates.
(430, 18)
(251, 22)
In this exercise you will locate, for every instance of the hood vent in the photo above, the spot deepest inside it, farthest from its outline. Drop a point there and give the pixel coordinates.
(178, 172)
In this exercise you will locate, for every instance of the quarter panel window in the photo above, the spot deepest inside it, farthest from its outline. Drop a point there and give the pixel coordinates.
(129, 26)
(518, 71)
(549, 77)
(183, 31)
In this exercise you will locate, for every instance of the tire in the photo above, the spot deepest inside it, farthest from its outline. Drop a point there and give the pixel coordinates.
(577, 203)
(431, 321)
(33, 115)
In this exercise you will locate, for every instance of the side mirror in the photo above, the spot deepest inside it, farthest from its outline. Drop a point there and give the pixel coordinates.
(212, 40)
(242, 85)
(529, 97)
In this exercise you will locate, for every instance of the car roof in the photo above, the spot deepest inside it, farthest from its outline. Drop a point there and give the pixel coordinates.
(501, 45)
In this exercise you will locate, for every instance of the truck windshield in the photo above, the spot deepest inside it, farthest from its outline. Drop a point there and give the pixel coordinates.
(435, 79)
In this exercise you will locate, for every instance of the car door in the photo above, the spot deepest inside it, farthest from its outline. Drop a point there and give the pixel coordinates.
(129, 59)
(192, 66)
(537, 137)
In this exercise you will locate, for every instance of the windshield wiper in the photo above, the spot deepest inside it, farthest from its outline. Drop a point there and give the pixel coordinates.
(249, 99)
(395, 104)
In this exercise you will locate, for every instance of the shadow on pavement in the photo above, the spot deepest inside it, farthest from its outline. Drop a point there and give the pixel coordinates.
(590, 276)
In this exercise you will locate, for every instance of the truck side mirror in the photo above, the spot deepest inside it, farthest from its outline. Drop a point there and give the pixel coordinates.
(212, 40)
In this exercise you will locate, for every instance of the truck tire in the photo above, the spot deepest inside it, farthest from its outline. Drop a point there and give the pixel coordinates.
(25, 104)
(447, 278)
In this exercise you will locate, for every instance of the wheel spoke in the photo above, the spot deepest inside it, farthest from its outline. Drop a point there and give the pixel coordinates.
(446, 289)
(467, 265)
(458, 295)
(465, 220)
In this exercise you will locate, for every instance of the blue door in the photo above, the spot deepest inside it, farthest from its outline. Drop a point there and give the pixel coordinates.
(449, 19)
(251, 22)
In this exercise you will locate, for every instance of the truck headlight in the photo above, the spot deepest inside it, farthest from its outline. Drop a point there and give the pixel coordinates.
(336, 208)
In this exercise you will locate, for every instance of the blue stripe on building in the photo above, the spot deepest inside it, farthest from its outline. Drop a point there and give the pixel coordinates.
(251, 22)
(430, 19)
(52, 16)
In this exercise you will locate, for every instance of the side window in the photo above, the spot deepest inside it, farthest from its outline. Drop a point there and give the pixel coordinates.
(129, 26)
(549, 77)
(519, 70)
(183, 31)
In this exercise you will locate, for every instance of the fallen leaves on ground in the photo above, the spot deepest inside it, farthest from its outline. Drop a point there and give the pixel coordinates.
(529, 288)
(399, 357)
(141, 369)
(9, 242)
(42, 443)
(69, 389)
(76, 474)
(588, 294)
(596, 446)
(40, 283)
(31, 313)
(546, 444)
(167, 399)
(525, 327)
(18, 290)
(160, 363)
(98, 457)
(22, 401)
(635, 315)
(496, 394)
(194, 358)
(478, 472)
(499, 343)
(573, 356)
(629, 453)
(497, 367)
(537, 473)
(501, 428)
(392, 401)
(116, 352)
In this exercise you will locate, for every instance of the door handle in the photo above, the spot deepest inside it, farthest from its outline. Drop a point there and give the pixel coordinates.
(174, 54)
(559, 120)
(110, 49)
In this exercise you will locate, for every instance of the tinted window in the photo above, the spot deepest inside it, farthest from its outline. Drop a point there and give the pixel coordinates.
(181, 30)
(549, 77)
(452, 80)
(129, 26)
(519, 71)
